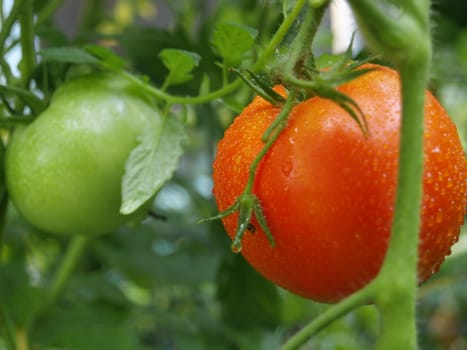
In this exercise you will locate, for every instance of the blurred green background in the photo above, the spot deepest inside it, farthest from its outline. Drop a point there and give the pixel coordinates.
(175, 284)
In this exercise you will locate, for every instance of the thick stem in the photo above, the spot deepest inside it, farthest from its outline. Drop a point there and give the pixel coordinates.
(74, 252)
(397, 283)
(391, 35)
(3, 212)
(9, 21)
(328, 316)
(281, 122)
(279, 35)
(28, 54)
(6, 328)
(22, 342)
(301, 48)
(48, 10)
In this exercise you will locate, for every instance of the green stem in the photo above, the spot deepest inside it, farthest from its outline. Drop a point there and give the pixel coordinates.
(8, 336)
(234, 85)
(279, 35)
(28, 53)
(9, 21)
(391, 36)
(3, 212)
(74, 252)
(397, 283)
(91, 15)
(22, 342)
(170, 99)
(327, 317)
(281, 122)
(6, 70)
(48, 10)
(301, 48)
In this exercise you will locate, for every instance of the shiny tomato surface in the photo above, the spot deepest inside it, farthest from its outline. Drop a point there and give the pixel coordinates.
(328, 191)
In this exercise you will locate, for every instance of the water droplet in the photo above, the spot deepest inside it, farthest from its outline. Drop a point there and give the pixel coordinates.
(439, 217)
(286, 167)
(236, 248)
(449, 183)
(436, 150)
(429, 177)
(384, 177)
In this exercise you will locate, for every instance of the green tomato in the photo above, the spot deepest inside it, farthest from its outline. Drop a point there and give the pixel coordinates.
(64, 170)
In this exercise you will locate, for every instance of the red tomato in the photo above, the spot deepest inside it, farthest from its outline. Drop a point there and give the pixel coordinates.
(328, 191)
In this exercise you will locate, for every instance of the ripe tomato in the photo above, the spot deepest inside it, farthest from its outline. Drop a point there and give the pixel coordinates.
(64, 170)
(328, 191)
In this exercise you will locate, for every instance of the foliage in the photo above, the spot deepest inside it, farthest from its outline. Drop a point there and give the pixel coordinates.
(172, 283)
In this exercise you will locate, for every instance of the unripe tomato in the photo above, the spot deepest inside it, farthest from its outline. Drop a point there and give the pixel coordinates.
(328, 191)
(64, 170)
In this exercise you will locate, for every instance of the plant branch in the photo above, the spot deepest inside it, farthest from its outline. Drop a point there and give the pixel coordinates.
(392, 35)
(8, 336)
(301, 48)
(22, 342)
(48, 10)
(397, 283)
(281, 123)
(74, 252)
(327, 317)
(28, 53)
(9, 21)
(279, 35)
(3, 212)
(235, 84)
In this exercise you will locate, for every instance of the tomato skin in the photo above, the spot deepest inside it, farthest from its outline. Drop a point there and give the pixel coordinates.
(328, 191)
(64, 170)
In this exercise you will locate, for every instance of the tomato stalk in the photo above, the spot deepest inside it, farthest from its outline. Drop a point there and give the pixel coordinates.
(281, 32)
(247, 203)
(28, 53)
(22, 342)
(328, 316)
(7, 25)
(48, 10)
(3, 213)
(72, 255)
(7, 332)
(74, 251)
(394, 289)
(396, 285)
(397, 282)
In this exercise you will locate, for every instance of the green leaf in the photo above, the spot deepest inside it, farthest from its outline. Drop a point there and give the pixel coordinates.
(106, 56)
(21, 299)
(68, 55)
(151, 164)
(180, 64)
(86, 326)
(247, 299)
(231, 42)
(155, 260)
